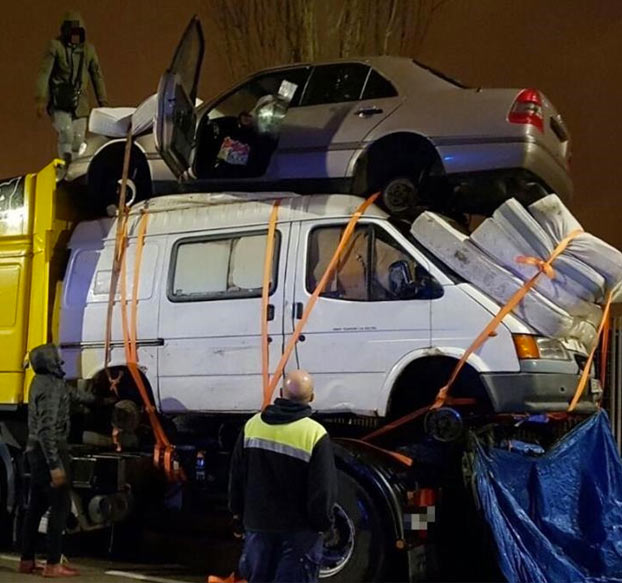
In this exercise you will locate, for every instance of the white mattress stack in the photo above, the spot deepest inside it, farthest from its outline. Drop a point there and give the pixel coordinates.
(566, 306)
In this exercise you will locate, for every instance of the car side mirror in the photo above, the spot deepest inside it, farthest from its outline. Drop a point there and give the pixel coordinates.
(403, 286)
(400, 278)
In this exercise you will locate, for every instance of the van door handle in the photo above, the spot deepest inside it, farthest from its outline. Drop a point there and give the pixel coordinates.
(270, 314)
(298, 310)
(368, 111)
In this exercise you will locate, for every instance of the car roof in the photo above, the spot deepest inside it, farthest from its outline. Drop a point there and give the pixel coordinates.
(188, 213)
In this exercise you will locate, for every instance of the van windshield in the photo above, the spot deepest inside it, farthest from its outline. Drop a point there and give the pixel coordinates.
(404, 228)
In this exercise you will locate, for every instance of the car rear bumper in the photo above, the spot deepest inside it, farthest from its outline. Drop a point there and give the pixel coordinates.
(536, 392)
(511, 154)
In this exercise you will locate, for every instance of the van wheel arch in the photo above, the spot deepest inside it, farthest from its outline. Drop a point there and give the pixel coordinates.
(419, 383)
(405, 156)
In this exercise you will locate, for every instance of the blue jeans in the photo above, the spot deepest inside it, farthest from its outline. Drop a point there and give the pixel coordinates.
(288, 557)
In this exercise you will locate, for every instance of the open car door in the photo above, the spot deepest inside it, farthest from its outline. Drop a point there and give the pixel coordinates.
(176, 119)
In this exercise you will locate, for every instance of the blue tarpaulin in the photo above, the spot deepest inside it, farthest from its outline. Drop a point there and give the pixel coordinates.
(556, 517)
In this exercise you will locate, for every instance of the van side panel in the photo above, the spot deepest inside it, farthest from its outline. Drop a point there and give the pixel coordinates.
(85, 305)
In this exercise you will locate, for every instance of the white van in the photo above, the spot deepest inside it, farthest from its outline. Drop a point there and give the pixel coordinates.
(383, 337)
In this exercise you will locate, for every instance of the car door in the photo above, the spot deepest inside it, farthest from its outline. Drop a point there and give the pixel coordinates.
(219, 120)
(341, 104)
(362, 324)
(176, 118)
(210, 319)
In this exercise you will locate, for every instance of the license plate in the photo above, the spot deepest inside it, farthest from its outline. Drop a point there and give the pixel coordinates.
(595, 387)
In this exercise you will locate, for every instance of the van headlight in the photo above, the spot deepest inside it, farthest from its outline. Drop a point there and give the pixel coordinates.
(536, 347)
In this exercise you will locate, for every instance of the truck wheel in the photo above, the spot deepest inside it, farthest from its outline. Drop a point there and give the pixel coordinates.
(357, 549)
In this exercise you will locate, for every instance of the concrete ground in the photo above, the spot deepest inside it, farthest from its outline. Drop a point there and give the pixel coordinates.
(101, 571)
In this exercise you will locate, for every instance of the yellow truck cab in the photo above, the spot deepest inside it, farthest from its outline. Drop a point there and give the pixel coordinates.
(35, 222)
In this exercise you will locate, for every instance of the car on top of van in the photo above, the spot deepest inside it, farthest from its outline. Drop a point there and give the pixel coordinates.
(382, 123)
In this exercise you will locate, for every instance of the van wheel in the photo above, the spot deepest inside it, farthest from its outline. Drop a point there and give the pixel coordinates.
(357, 549)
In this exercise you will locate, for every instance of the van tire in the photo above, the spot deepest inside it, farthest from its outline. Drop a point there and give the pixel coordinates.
(366, 562)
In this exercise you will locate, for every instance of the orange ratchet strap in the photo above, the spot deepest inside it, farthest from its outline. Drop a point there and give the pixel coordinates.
(585, 375)
(443, 397)
(319, 288)
(163, 450)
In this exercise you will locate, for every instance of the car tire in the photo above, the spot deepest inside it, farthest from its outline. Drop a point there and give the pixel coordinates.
(400, 196)
(356, 516)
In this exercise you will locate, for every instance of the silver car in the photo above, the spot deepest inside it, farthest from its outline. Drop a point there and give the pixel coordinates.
(361, 125)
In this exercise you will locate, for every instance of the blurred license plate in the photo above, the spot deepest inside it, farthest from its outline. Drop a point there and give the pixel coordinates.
(595, 386)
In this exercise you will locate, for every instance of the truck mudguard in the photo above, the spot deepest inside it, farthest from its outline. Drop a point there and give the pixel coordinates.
(376, 474)
(556, 516)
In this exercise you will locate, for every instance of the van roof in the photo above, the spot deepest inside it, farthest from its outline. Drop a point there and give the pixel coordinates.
(187, 213)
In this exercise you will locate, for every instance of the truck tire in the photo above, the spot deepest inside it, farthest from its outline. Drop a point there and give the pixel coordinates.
(358, 550)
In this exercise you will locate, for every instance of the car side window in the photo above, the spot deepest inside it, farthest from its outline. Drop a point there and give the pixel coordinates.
(208, 268)
(378, 87)
(337, 83)
(373, 267)
(245, 97)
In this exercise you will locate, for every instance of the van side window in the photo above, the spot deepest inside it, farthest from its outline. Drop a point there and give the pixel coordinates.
(374, 267)
(210, 268)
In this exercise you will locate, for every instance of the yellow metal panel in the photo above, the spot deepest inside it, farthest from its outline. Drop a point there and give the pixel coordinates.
(15, 270)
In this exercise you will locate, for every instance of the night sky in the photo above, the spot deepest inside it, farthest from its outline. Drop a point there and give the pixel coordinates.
(570, 49)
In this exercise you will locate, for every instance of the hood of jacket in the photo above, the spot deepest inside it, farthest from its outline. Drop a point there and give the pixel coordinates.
(69, 17)
(285, 411)
(45, 359)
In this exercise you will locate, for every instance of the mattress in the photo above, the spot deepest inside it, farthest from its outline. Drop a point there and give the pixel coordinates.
(558, 222)
(456, 250)
(562, 290)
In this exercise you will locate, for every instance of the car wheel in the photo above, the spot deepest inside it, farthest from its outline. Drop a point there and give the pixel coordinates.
(356, 551)
(400, 195)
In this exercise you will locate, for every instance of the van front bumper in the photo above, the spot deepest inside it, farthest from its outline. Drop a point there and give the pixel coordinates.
(538, 392)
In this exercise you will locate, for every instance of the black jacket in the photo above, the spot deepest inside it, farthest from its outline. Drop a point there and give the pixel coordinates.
(283, 475)
(49, 403)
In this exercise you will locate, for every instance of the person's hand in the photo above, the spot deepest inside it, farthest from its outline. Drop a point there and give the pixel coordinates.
(40, 109)
(237, 527)
(59, 478)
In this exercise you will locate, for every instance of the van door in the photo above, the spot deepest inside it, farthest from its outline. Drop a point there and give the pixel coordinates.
(210, 319)
(373, 311)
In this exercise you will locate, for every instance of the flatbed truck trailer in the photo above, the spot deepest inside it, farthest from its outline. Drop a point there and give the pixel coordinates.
(404, 511)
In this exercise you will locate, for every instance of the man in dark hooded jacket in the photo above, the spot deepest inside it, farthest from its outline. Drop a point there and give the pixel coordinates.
(283, 487)
(62, 84)
(47, 453)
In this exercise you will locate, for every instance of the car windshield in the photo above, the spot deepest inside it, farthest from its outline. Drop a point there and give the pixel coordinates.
(441, 75)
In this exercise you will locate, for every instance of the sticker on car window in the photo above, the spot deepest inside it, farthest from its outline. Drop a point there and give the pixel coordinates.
(234, 152)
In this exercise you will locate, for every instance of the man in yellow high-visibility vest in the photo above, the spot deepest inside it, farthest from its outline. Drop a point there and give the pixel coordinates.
(283, 487)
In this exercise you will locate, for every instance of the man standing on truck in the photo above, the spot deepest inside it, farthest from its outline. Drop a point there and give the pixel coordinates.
(48, 458)
(62, 84)
(283, 487)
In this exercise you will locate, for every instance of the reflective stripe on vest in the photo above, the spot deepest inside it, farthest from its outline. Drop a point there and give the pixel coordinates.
(296, 439)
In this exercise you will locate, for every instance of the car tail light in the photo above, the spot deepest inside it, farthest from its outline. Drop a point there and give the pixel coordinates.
(527, 109)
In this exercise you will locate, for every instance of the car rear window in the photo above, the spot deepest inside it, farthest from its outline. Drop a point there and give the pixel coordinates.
(337, 83)
(377, 87)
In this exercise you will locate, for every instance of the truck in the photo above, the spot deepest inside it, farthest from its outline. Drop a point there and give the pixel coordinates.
(383, 337)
